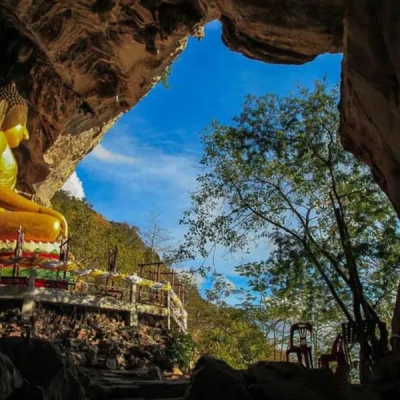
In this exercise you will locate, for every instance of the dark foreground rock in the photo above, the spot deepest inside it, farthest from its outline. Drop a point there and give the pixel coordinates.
(389, 377)
(10, 378)
(35, 369)
(281, 380)
(214, 379)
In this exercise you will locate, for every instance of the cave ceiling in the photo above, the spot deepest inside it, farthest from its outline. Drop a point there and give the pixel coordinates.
(81, 64)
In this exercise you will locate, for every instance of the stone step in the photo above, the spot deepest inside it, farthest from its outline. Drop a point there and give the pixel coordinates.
(164, 398)
(160, 390)
(121, 391)
(115, 379)
(120, 384)
(121, 372)
(152, 390)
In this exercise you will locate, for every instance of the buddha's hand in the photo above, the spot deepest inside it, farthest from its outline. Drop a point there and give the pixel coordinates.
(57, 215)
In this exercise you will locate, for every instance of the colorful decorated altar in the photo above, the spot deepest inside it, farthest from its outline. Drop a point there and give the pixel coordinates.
(34, 243)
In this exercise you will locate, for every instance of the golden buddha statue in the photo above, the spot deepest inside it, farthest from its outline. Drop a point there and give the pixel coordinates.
(38, 223)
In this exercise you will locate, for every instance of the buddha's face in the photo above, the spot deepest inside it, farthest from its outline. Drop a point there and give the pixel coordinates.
(15, 115)
(16, 135)
(14, 125)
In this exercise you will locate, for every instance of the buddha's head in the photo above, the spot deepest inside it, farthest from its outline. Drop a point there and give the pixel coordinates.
(15, 120)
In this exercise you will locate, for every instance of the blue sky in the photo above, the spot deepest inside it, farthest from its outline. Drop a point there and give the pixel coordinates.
(148, 162)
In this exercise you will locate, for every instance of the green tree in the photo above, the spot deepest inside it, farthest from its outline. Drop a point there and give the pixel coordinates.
(180, 350)
(157, 239)
(223, 331)
(165, 77)
(280, 175)
(234, 337)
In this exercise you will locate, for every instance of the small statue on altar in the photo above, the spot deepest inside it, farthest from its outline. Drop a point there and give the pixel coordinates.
(38, 223)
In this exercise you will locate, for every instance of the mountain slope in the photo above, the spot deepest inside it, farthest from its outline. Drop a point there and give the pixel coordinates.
(93, 236)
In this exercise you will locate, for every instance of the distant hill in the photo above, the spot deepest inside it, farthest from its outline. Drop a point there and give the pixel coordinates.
(93, 236)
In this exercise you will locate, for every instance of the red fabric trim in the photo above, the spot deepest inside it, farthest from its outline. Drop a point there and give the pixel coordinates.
(42, 255)
(29, 254)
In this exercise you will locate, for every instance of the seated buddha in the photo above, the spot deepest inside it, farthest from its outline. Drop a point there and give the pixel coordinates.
(38, 223)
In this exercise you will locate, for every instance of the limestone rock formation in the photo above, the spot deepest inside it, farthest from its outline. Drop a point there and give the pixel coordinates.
(81, 64)
(371, 90)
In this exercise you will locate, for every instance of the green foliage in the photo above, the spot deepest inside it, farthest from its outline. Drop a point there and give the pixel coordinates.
(225, 332)
(180, 350)
(165, 76)
(235, 338)
(93, 236)
(280, 176)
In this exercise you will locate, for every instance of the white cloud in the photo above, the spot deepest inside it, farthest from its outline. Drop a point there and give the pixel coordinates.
(74, 186)
(102, 154)
(229, 284)
(156, 171)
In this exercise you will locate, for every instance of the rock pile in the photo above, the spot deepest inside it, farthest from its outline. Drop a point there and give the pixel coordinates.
(91, 339)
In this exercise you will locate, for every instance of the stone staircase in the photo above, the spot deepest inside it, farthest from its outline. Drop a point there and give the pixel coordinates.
(122, 385)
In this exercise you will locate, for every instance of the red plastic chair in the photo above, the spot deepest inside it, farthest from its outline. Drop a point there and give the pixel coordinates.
(337, 354)
(302, 331)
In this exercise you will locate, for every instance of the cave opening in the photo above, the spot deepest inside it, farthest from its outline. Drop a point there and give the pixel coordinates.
(147, 157)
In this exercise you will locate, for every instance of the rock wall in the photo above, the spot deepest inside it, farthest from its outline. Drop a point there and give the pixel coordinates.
(81, 64)
(371, 92)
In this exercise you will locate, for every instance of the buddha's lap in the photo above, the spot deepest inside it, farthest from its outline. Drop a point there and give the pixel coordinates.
(35, 226)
